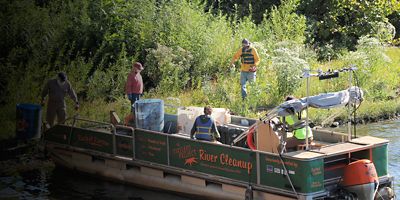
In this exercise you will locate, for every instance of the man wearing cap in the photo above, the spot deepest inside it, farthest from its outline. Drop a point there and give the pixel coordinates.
(250, 60)
(134, 87)
(57, 88)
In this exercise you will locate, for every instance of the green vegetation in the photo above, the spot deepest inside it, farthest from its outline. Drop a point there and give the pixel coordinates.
(186, 47)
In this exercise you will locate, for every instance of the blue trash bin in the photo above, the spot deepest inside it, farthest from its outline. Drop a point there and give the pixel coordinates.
(29, 121)
(149, 114)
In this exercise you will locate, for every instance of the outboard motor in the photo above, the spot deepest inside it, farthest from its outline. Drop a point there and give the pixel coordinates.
(360, 178)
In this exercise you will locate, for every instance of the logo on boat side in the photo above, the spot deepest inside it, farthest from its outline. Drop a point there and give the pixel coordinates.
(187, 153)
(270, 168)
(193, 156)
(94, 141)
(190, 161)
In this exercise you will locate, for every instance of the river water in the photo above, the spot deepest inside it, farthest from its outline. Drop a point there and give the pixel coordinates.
(389, 130)
(65, 184)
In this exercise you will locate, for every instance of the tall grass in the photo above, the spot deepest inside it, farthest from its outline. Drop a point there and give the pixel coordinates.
(185, 52)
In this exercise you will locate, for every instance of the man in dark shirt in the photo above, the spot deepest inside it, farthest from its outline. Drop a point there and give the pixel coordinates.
(56, 89)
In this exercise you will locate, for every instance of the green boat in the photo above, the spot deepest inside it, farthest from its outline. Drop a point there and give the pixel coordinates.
(250, 162)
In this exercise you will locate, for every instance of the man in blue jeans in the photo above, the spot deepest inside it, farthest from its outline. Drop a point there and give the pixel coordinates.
(134, 88)
(249, 62)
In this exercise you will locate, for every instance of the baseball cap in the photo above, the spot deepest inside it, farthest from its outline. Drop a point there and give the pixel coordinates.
(138, 65)
(246, 42)
(62, 76)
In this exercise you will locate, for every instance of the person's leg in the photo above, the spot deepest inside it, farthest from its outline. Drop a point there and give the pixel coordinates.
(50, 115)
(251, 77)
(133, 98)
(243, 80)
(129, 120)
(136, 97)
(61, 115)
(130, 97)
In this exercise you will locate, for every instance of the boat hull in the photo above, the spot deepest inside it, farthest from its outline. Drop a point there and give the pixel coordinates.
(176, 163)
(152, 176)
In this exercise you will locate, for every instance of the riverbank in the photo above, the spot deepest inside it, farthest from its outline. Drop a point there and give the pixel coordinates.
(368, 112)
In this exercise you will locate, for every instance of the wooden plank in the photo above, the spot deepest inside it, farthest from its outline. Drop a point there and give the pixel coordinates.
(369, 140)
(339, 148)
(303, 154)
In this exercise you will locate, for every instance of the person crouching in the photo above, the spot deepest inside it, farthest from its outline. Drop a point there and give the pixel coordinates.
(204, 127)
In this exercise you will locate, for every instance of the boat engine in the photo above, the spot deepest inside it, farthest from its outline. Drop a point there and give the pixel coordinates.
(361, 179)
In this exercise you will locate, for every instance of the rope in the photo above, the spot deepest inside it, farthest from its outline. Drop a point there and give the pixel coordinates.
(287, 174)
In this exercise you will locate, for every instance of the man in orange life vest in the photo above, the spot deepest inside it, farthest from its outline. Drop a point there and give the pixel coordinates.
(250, 60)
(134, 87)
(204, 127)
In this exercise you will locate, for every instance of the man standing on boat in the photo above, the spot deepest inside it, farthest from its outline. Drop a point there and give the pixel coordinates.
(134, 87)
(204, 127)
(57, 89)
(250, 60)
(296, 123)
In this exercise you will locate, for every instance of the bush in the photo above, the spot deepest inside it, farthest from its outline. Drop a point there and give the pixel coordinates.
(288, 67)
(169, 68)
(109, 84)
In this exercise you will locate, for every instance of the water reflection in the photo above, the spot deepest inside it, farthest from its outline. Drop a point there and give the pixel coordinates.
(30, 185)
(82, 186)
(66, 184)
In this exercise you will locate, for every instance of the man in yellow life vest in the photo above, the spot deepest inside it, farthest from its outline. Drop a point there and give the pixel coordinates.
(296, 123)
(250, 60)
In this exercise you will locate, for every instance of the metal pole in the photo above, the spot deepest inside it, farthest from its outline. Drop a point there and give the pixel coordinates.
(307, 94)
(349, 109)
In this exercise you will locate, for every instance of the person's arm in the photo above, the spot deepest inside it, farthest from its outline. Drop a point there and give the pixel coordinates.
(72, 95)
(214, 129)
(236, 56)
(45, 92)
(256, 57)
(141, 84)
(193, 129)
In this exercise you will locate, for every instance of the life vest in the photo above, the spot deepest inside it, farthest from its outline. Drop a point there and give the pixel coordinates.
(247, 56)
(299, 133)
(203, 129)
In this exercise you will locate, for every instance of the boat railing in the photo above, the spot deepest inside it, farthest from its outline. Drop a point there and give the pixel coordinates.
(105, 127)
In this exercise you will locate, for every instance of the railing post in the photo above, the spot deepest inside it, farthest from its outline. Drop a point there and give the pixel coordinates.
(114, 130)
(133, 145)
(72, 127)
